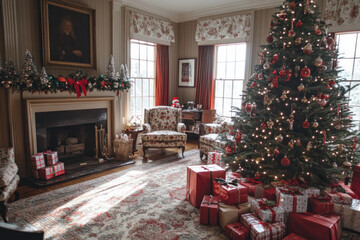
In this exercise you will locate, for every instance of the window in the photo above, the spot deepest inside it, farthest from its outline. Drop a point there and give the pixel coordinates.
(229, 77)
(142, 73)
(348, 45)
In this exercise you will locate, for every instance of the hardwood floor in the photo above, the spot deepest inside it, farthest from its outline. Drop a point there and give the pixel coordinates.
(25, 190)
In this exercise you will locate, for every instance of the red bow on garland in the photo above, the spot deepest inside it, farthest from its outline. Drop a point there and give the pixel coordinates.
(77, 85)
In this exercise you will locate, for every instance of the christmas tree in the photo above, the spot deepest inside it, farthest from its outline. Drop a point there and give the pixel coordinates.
(29, 73)
(294, 123)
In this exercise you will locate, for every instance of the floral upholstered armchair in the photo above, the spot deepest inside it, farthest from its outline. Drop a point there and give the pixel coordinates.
(163, 129)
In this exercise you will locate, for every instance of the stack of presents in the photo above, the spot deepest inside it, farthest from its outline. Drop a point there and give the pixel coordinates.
(46, 165)
(246, 209)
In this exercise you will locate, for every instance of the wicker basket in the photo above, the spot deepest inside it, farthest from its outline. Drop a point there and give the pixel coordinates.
(122, 149)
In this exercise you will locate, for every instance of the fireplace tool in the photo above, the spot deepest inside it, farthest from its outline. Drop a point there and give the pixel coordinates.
(101, 136)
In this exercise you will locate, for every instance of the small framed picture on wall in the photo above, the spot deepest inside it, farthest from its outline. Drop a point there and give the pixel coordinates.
(187, 70)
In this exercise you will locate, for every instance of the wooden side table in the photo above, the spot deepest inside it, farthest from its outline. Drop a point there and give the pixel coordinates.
(134, 134)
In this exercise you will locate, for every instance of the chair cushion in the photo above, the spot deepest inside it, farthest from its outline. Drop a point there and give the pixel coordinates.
(164, 144)
(7, 173)
(10, 188)
(6, 156)
(164, 136)
(212, 140)
(163, 118)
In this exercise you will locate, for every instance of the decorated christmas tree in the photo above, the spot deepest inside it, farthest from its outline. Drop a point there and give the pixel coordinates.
(294, 123)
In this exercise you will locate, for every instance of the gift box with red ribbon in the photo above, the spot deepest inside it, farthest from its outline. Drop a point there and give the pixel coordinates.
(215, 158)
(51, 158)
(209, 210)
(350, 215)
(236, 176)
(199, 182)
(293, 236)
(237, 231)
(230, 193)
(310, 191)
(348, 190)
(267, 211)
(270, 193)
(231, 213)
(314, 226)
(37, 161)
(256, 189)
(355, 183)
(260, 230)
(291, 199)
(59, 169)
(46, 173)
(338, 197)
(321, 205)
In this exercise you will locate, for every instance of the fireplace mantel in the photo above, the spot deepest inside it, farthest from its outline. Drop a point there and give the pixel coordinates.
(34, 106)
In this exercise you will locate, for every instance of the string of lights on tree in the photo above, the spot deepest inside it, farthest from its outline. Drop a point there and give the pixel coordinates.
(29, 79)
(294, 123)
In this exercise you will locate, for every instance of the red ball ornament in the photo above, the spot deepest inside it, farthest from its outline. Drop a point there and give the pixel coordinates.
(285, 161)
(318, 32)
(248, 107)
(238, 136)
(257, 176)
(263, 125)
(270, 39)
(282, 72)
(299, 24)
(282, 15)
(308, 49)
(276, 152)
(292, 5)
(331, 83)
(228, 149)
(305, 72)
(291, 33)
(305, 124)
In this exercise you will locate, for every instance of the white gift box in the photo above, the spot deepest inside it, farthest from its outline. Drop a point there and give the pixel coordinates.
(350, 214)
(270, 214)
(215, 158)
(292, 200)
(51, 158)
(263, 231)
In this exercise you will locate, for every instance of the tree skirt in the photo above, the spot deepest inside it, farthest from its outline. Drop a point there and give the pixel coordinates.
(143, 202)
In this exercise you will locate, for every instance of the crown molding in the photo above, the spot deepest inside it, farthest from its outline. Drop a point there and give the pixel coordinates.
(193, 15)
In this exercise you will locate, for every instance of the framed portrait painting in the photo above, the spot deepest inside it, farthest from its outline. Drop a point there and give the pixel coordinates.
(187, 72)
(68, 32)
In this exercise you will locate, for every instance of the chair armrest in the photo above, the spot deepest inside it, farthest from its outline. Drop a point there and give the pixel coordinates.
(181, 127)
(212, 128)
(146, 128)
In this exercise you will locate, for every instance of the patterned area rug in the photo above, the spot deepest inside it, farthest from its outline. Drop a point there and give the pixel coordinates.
(143, 202)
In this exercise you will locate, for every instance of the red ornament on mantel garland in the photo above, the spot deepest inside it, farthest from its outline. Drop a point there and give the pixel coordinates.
(285, 161)
(305, 72)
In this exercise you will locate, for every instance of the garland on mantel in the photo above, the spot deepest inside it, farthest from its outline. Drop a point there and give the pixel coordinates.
(79, 82)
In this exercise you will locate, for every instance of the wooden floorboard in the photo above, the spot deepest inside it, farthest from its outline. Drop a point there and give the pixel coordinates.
(25, 190)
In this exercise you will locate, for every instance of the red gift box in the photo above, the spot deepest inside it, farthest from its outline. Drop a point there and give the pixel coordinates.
(293, 236)
(314, 226)
(255, 190)
(237, 231)
(208, 210)
(348, 190)
(51, 158)
(269, 193)
(37, 161)
(59, 169)
(46, 173)
(355, 183)
(199, 182)
(321, 205)
(231, 194)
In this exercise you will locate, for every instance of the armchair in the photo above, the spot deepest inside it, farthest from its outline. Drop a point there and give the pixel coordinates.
(163, 129)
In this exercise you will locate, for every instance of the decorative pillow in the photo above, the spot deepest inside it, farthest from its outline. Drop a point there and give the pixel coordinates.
(7, 173)
(163, 119)
(6, 156)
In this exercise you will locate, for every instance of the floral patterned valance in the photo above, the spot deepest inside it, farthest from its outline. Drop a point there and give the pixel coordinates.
(151, 29)
(342, 13)
(231, 27)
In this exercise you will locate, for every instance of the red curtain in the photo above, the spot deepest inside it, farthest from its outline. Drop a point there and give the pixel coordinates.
(162, 75)
(205, 82)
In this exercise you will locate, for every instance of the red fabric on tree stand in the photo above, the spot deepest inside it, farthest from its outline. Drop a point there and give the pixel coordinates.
(321, 205)
(162, 75)
(355, 183)
(205, 82)
(208, 210)
(199, 182)
(293, 236)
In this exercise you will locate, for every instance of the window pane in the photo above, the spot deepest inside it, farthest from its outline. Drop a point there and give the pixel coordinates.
(355, 96)
(134, 68)
(151, 87)
(151, 69)
(151, 53)
(227, 107)
(240, 70)
(237, 89)
(221, 54)
(347, 45)
(143, 52)
(230, 70)
(219, 88)
(220, 71)
(230, 53)
(358, 46)
(134, 50)
(143, 67)
(138, 87)
(237, 103)
(146, 101)
(152, 101)
(228, 89)
(139, 108)
(356, 113)
(218, 105)
(347, 66)
(145, 91)
(356, 75)
(241, 52)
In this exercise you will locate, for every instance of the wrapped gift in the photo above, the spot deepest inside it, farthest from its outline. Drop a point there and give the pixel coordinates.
(215, 158)
(291, 199)
(46, 173)
(338, 197)
(310, 191)
(209, 210)
(350, 215)
(37, 161)
(51, 158)
(270, 193)
(59, 169)
(237, 231)
(230, 193)
(236, 176)
(199, 182)
(321, 205)
(314, 226)
(231, 213)
(293, 236)
(256, 190)
(261, 230)
(355, 183)
(346, 189)
(266, 210)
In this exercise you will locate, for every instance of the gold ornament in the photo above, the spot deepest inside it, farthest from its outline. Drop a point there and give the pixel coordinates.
(301, 87)
(270, 124)
(298, 41)
(309, 146)
(315, 124)
(308, 49)
(304, 100)
(318, 61)
(283, 96)
(279, 138)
